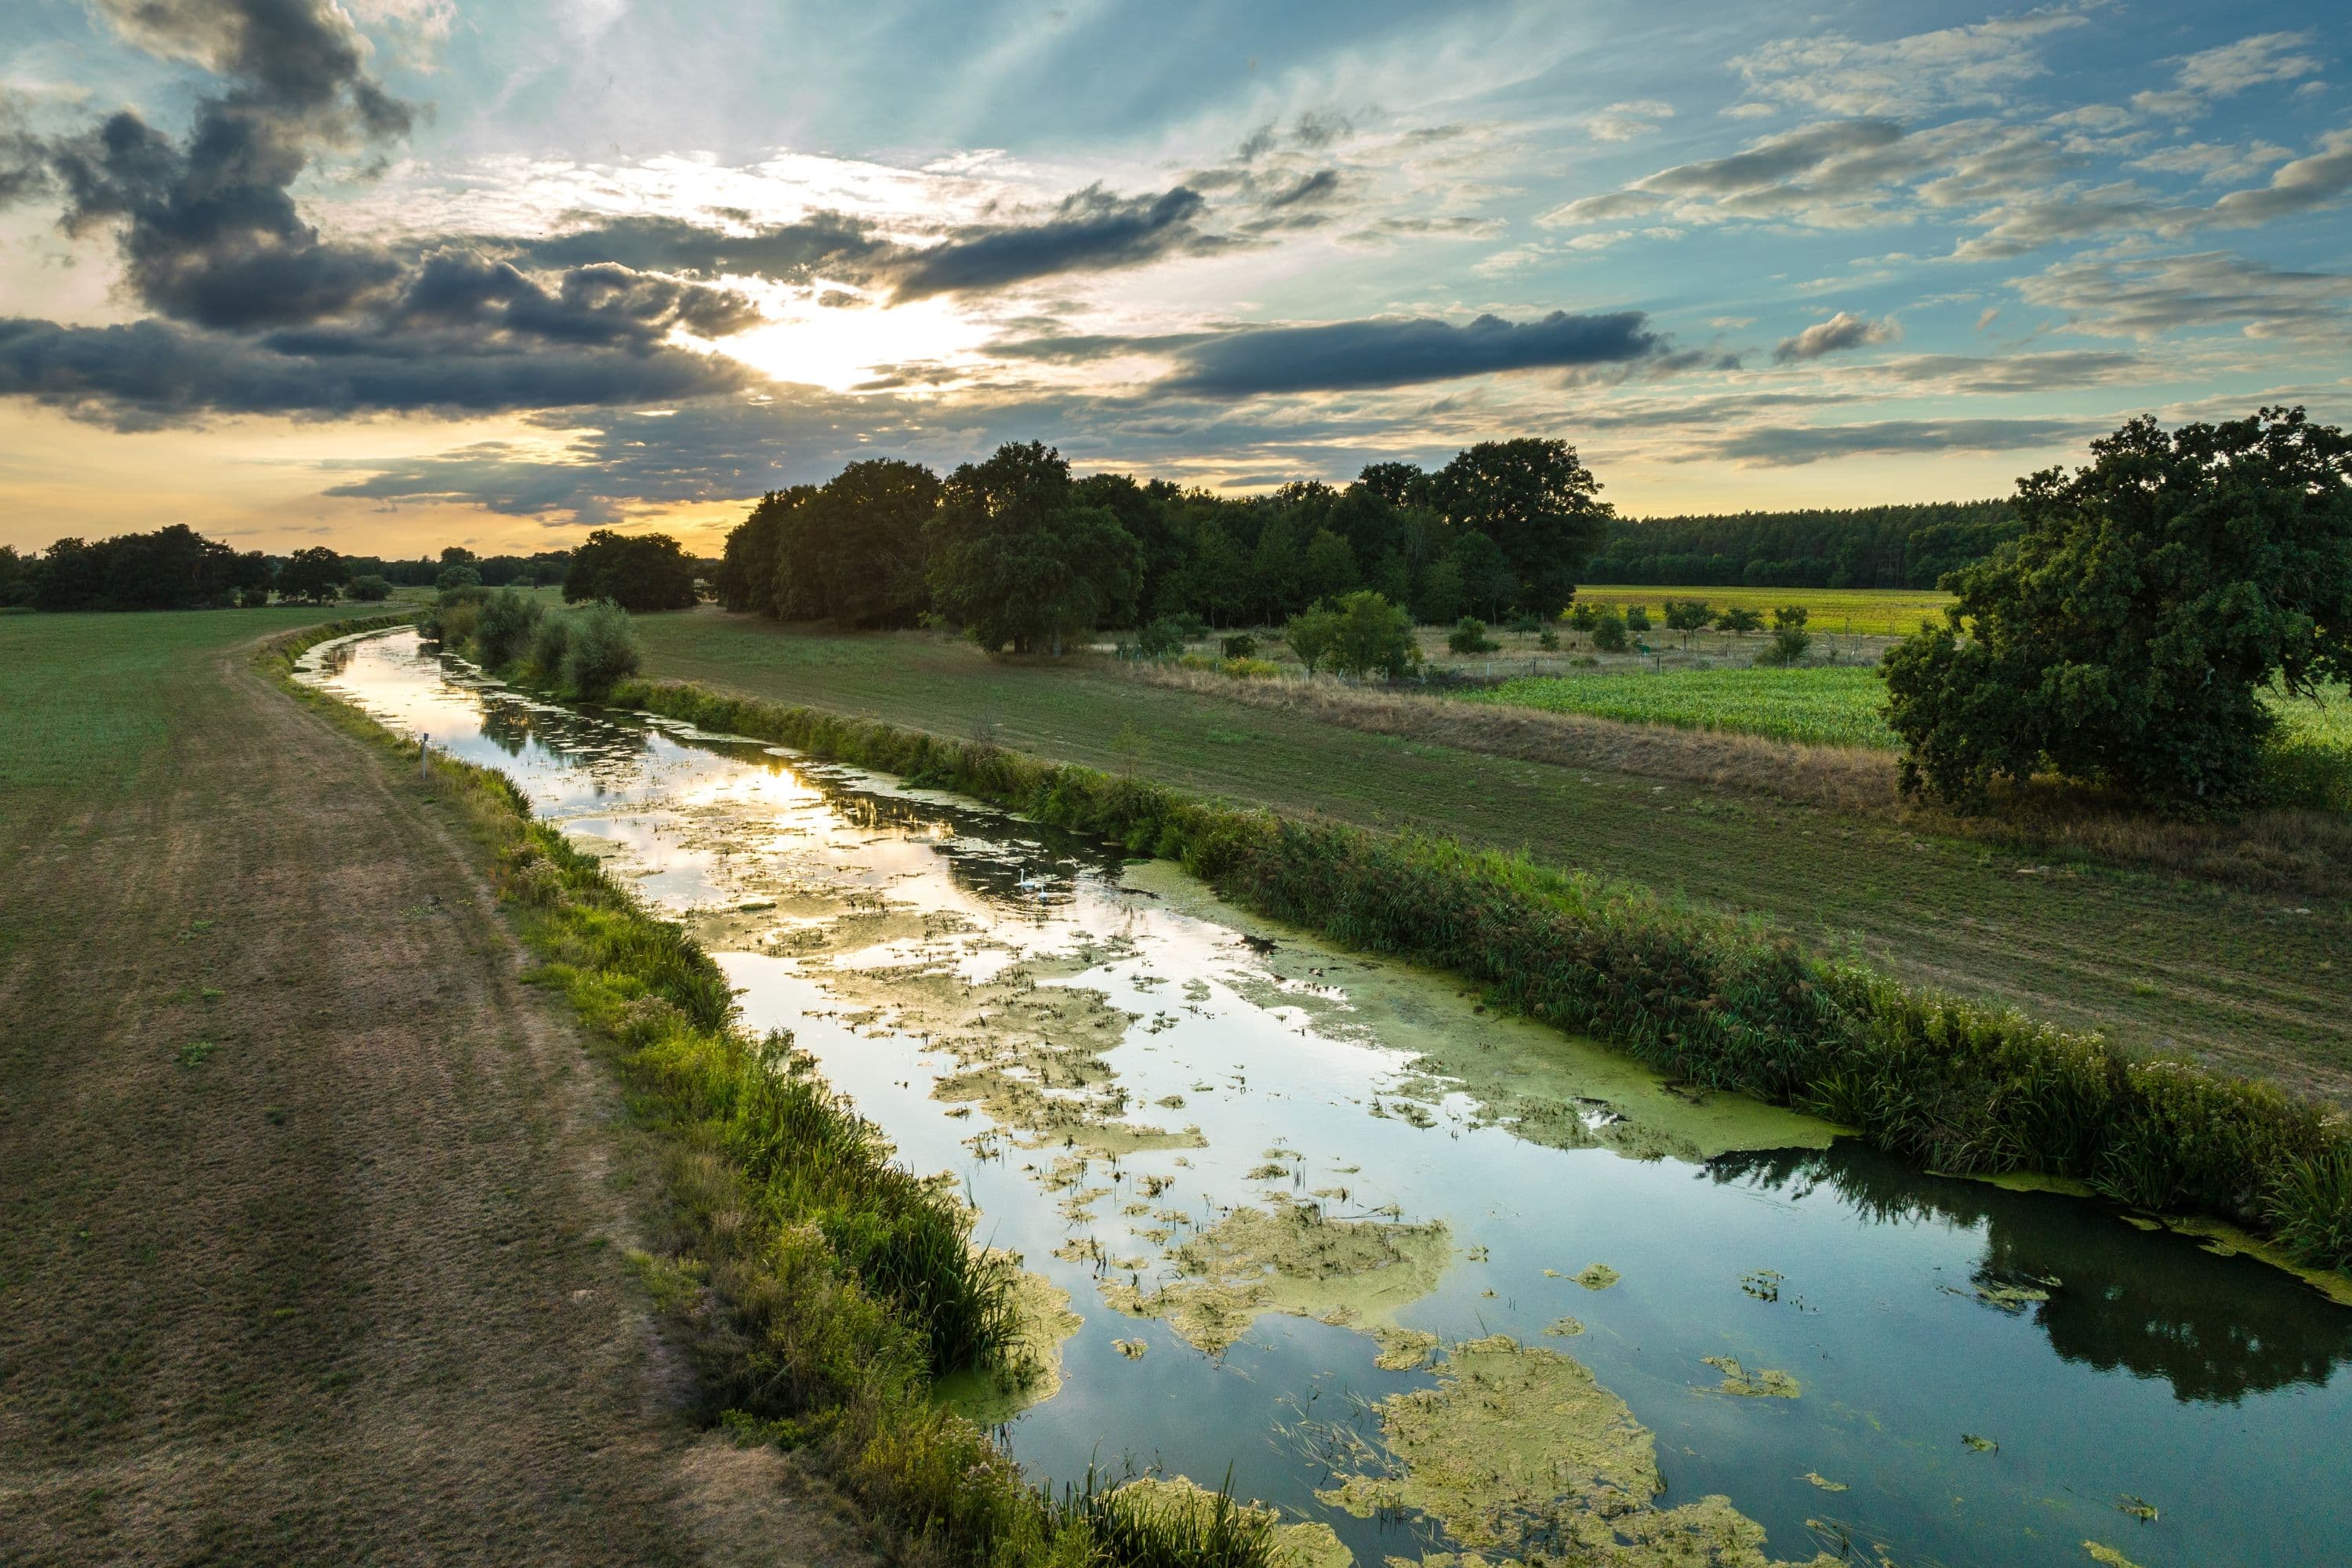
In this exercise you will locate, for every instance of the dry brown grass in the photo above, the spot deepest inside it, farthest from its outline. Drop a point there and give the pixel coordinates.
(2299, 851)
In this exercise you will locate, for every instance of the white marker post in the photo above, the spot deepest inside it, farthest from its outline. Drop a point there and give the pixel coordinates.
(423, 756)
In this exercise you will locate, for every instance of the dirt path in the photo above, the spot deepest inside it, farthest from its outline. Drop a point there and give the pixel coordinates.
(311, 1216)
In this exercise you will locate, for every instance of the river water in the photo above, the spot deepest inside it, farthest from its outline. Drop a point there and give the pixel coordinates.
(1424, 1276)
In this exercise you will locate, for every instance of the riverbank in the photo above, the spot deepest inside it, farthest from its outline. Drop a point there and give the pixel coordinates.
(2242, 982)
(1716, 1000)
(312, 1216)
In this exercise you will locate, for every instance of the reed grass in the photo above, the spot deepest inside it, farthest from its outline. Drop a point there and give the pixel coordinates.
(1708, 998)
(820, 1286)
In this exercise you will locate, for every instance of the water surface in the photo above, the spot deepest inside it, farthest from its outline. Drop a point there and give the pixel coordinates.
(1280, 1183)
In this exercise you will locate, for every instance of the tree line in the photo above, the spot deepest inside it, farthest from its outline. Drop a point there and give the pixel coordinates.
(1022, 553)
(1862, 547)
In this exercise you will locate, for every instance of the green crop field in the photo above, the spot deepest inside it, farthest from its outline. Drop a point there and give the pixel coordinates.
(1835, 706)
(1860, 612)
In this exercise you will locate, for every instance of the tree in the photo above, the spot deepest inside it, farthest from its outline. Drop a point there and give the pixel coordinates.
(1637, 619)
(462, 575)
(1537, 503)
(1276, 570)
(1738, 618)
(1439, 598)
(1362, 634)
(750, 566)
(638, 571)
(1398, 484)
(16, 583)
(1330, 571)
(866, 531)
(1688, 615)
(1790, 616)
(1609, 629)
(1018, 562)
(1488, 581)
(1789, 642)
(369, 589)
(314, 575)
(2125, 637)
(1469, 635)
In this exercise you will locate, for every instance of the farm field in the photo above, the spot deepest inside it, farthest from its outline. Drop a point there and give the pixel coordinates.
(1864, 612)
(2240, 979)
(304, 1209)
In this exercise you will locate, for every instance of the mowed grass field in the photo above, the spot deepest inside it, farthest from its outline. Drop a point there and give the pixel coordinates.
(1862, 612)
(313, 1214)
(2247, 981)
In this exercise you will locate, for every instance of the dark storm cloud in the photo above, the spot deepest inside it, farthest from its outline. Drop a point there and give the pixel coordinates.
(208, 228)
(1376, 353)
(152, 372)
(1093, 230)
(789, 253)
(1314, 187)
(1791, 446)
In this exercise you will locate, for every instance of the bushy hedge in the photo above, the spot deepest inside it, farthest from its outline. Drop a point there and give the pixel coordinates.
(1707, 997)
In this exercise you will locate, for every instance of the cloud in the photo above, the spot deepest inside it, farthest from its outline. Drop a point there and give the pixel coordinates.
(2151, 296)
(207, 223)
(1090, 231)
(2057, 370)
(1624, 122)
(1980, 63)
(822, 242)
(2212, 162)
(1344, 356)
(1791, 446)
(2228, 70)
(1602, 208)
(2298, 187)
(153, 373)
(1842, 331)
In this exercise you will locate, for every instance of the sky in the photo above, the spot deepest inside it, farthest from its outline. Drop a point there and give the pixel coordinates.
(396, 274)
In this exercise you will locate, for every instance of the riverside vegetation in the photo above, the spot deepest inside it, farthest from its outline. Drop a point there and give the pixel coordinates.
(1709, 998)
(822, 1288)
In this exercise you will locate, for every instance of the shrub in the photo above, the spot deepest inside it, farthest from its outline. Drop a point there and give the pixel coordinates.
(1790, 616)
(252, 597)
(452, 623)
(548, 647)
(1637, 617)
(600, 648)
(1547, 640)
(1788, 645)
(1249, 668)
(459, 576)
(1609, 629)
(1469, 635)
(1738, 618)
(1581, 615)
(1688, 615)
(1237, 645)
(503, 631)
(368, 590)
(1527, 625)
(1160, 638)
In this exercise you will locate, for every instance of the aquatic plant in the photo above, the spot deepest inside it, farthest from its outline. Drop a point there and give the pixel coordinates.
(1708, 998)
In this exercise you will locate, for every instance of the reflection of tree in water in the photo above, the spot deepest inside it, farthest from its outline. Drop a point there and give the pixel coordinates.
(2153, 1303)
(991, 855)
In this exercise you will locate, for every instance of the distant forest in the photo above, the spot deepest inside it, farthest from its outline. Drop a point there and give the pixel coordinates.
(1866, 547)
(1508, 526)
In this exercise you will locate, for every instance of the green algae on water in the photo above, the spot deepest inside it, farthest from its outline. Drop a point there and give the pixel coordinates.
(1520, 1451)
(1598, 1277)
(1307, 1545)
(1762, 1383)
(1033, 1371)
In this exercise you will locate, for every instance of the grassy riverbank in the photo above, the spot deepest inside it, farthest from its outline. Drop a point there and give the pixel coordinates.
(822, 1286)
(1703, 997)
(2245, 978)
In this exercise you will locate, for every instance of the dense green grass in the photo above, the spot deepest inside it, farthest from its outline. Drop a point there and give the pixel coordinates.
(87, 696)
(1843, 705)
(1837, 705)
(1863, 612)
(1703, 996)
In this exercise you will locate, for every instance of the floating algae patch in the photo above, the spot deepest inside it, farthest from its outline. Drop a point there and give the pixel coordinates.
(1763, 1383)
(1822, 1481)
(1519, 1451)
(1292, 1258)
(1033, 1374)
(1309, 1545)
(2108, 1556)
(1548, 1087)
(1598, 1277)
(1564, 1328)
(1403, 1350)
